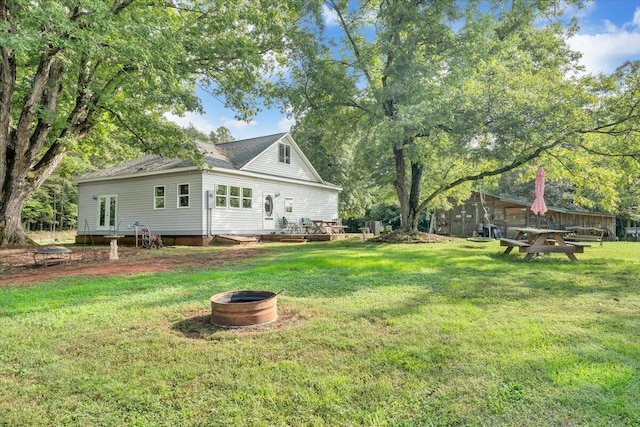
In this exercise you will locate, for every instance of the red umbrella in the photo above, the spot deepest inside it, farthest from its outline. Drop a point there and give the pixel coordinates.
(539, 207)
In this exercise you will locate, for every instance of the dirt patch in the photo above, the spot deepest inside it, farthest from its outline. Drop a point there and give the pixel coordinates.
(198, 326)
(18, 266)
(402, 237)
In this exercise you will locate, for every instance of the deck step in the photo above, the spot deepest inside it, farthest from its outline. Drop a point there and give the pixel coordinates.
(237, 240)
(293, 240)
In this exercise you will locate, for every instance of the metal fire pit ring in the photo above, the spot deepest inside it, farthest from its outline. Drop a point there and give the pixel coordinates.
(236, 309)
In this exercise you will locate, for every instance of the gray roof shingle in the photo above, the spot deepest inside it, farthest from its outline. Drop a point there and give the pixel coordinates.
(229, 155)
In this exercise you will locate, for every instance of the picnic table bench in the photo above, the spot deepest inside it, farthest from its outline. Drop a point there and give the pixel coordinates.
(532, 241)
(511, 243)
(338, 229)
(587, 234)
(634, 232)
(322, 226)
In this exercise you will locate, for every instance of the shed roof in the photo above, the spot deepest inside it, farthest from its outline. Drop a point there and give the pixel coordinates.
(550, 208)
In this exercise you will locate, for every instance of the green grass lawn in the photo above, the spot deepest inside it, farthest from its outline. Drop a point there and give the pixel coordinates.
(375, 335)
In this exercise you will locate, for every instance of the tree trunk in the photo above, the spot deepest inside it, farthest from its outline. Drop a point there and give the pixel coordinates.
(414, 197)
(20, 182)
(408, 196)
(400, 184)
(11, 231)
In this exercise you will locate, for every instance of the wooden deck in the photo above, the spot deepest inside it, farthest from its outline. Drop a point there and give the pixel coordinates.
(306, 237)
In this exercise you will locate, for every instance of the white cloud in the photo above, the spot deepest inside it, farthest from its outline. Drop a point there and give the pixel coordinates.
(610, 26)
(330, 16)
(206, 126)
(234, 124)
(573, 11)
(602, 52)
(197, 120)
(285, 124)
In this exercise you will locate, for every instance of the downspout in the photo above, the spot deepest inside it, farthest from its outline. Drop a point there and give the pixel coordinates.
(209, 197)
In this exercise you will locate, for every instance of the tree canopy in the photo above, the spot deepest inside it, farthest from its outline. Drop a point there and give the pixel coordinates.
(69, 69)
(441, 94)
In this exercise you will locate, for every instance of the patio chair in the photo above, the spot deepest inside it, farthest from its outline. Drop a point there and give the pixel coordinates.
(290, 227)
(305, 224)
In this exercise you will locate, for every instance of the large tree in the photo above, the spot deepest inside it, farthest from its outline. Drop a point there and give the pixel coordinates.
(447, 93)
(68, 67)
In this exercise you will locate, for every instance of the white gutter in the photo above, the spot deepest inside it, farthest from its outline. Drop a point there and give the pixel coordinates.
(212, 169)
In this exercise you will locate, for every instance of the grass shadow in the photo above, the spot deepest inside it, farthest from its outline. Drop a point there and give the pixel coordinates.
(198, 326)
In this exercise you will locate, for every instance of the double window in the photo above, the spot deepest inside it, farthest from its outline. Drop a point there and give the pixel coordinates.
(284, 153)
(233, 196)
(160, 196)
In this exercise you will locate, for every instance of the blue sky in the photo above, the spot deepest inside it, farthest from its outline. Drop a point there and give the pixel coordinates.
(609, 35)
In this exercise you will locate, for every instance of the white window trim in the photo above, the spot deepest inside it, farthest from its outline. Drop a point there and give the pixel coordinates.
(183, 195)
(216, 195)
(243, 198)
(107, 226)
(238, 197)
(286, 146)
(285, 205)
(164, 197)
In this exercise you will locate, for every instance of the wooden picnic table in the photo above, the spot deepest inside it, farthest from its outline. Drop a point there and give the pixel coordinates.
(532, 241)
(322, 226)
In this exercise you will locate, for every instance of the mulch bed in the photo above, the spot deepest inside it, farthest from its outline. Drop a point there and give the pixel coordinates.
(402, 237)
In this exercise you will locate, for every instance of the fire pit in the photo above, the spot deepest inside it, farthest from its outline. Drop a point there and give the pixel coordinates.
(244, 308)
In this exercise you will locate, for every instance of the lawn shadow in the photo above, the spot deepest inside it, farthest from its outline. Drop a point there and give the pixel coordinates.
(198, 325)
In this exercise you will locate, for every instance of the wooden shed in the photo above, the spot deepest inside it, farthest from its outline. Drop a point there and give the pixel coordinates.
(507, 214)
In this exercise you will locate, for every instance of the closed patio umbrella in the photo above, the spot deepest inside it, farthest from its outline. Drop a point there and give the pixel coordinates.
(539, 207)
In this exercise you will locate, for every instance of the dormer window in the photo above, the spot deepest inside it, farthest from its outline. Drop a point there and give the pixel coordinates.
(284, 153)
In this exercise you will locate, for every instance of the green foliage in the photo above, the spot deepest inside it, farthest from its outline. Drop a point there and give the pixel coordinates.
(110, 71)
(221, 135)
(445, 334)
(433, 96)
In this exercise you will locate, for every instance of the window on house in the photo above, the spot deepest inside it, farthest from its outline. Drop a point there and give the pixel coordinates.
(234, 197)
(247, 196)
(284, 153)
(221, 196)
(107, 212)
(183, 195)
(288, 205)
(158, 197)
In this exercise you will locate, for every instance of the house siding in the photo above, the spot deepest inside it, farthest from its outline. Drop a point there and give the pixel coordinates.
(316, 202)
(268, 163)
(133, 184)
(135, 203)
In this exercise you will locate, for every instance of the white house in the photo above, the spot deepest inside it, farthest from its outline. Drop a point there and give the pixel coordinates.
(244, 188)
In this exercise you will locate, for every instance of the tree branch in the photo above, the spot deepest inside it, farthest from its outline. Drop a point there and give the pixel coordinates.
(130, 129)
(119, 6)
(514, 164)
(48, 103)
(40, 82)
(352, 42)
